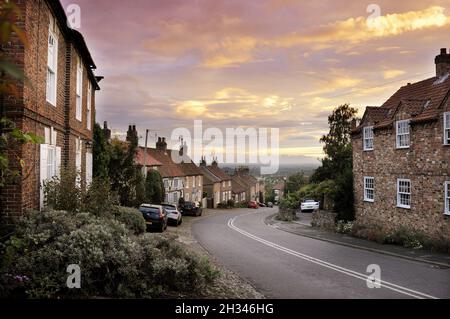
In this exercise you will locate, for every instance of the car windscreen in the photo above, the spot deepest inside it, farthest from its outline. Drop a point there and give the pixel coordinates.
(169, 207)
(150, 210)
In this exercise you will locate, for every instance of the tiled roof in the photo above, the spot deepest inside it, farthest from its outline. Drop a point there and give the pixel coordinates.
(422, 101)
(190, 169)
(208, 177)
(219, 173)
(149, 159)
(237, 186)
(171, 170)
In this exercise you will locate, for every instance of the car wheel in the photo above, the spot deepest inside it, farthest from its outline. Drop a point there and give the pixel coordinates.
(181, 221)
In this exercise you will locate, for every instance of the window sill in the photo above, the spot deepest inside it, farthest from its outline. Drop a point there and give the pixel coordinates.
(52, 103)
(404, 207)
(403, 147)
(369, 200)
(368, 150)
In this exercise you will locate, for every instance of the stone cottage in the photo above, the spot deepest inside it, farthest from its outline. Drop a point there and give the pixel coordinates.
(401, 158)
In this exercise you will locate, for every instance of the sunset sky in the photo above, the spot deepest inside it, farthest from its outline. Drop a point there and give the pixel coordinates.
(260, 63)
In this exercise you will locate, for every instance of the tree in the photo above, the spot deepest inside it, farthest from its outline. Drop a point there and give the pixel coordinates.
(338, 146)
(154, 188)
(100, 153)
(337, 164)
(295, 182)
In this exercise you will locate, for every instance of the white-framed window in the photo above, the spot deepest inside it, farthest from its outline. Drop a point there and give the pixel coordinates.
(229, 183)
(447, 198)
(166, 183)
(187, 181)
(52, 62)
(223, 184)
(217, 197)
(175, 183)
(199, 181)
(187, 197)
(369, 189)
(50, 160)
(193, 181)
(78, 154)
(368, 138)
(175, 197)
(79, 91)
(403, 134)
(89, 107)
(404, 193)
(447, 128)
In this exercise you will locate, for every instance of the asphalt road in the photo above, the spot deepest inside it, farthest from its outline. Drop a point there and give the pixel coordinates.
(284, 265)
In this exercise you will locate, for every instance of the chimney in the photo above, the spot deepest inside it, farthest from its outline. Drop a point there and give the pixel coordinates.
(203, 162)
(132, 133)
(106, 131)
(161, 145)
(214, 163)
(442, 63)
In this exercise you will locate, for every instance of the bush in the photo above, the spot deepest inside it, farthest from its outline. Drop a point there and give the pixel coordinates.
(114, 263)
(99, 199)
(230, 203)
(63, 192)
(131, 218)
(344, 227)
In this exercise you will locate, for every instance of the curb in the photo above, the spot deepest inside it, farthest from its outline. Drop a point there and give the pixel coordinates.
(270, 219)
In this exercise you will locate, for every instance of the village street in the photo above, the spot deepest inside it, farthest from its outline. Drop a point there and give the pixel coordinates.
(285, 265)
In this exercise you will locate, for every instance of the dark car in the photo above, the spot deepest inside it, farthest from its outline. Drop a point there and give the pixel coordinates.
(155, 217)
(190, 208)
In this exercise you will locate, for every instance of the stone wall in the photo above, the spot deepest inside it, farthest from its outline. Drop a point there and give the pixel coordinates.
(324, 219)
(426, 163)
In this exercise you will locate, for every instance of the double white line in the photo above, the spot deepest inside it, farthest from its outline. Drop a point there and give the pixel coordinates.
(348, 272)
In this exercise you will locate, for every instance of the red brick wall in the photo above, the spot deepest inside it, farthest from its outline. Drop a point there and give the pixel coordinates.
(33, 113)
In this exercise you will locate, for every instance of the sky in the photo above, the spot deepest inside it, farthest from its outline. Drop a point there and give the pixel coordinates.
(262, 63)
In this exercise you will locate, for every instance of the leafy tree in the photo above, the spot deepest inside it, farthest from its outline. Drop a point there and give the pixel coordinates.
(100, 153)
(338, 146)
(337, 164)
(295, 182)
(154, 188)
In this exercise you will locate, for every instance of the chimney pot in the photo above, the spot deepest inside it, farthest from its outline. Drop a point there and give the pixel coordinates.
(444, 51)
(442, 63)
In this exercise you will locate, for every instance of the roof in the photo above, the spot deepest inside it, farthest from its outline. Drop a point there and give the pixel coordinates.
(422, 100)
(279, 186)
(208, 177)
(149, 159)
(218, 172)
(190, 169)
(237, 185)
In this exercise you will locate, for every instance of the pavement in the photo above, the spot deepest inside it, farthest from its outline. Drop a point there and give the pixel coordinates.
(282, 264)
(303, 227)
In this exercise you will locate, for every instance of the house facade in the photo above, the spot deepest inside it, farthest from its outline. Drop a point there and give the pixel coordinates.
(252, 184)
(57, 103)
(239, 189)
(221, 182)
(401, 158)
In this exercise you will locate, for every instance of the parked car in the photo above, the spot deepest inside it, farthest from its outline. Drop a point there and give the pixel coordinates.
(174, 217)
(190, 208)
(309, 205)
(270, 204)
(155, 216)
(261, 205)
(253, 204)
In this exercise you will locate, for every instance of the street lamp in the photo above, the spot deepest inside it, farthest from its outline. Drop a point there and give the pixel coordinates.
(285, 190)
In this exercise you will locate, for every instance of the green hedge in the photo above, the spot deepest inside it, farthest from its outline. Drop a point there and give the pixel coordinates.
(131, 218)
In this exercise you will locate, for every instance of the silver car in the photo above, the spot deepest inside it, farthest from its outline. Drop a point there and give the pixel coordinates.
(174, 217)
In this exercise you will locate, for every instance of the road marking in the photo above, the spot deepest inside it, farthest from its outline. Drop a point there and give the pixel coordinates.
(346, 271)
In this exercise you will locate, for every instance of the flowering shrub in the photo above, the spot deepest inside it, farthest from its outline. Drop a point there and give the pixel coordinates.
(113, 261)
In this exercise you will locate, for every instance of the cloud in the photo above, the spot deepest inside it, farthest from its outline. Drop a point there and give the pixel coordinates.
(237, 103)
(390, 74)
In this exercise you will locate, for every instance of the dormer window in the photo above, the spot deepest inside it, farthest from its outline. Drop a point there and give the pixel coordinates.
(403, 134)
(368, 138)
(447, 128)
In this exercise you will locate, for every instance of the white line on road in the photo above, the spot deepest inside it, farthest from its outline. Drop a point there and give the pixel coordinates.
(349, 272)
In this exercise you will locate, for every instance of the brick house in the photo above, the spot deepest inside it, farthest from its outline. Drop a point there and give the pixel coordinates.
(253, 186)
(57, 103)
(401, 158)
(221, 182)
(239, 189)
(181, 180)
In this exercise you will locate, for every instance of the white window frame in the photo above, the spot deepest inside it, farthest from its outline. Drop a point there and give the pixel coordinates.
(366, 189)
(367, 137)
(399, 134)
(193, 181)
(79, 91)
(175, 183)
(447, 198)
(52, 63)
(89, 107)
(187, 181)
(447, 128)
(399, 193)
(199, 181)
(89, 172)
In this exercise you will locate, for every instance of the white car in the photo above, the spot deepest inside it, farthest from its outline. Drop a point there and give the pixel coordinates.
(173, 215)
(309, 205)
